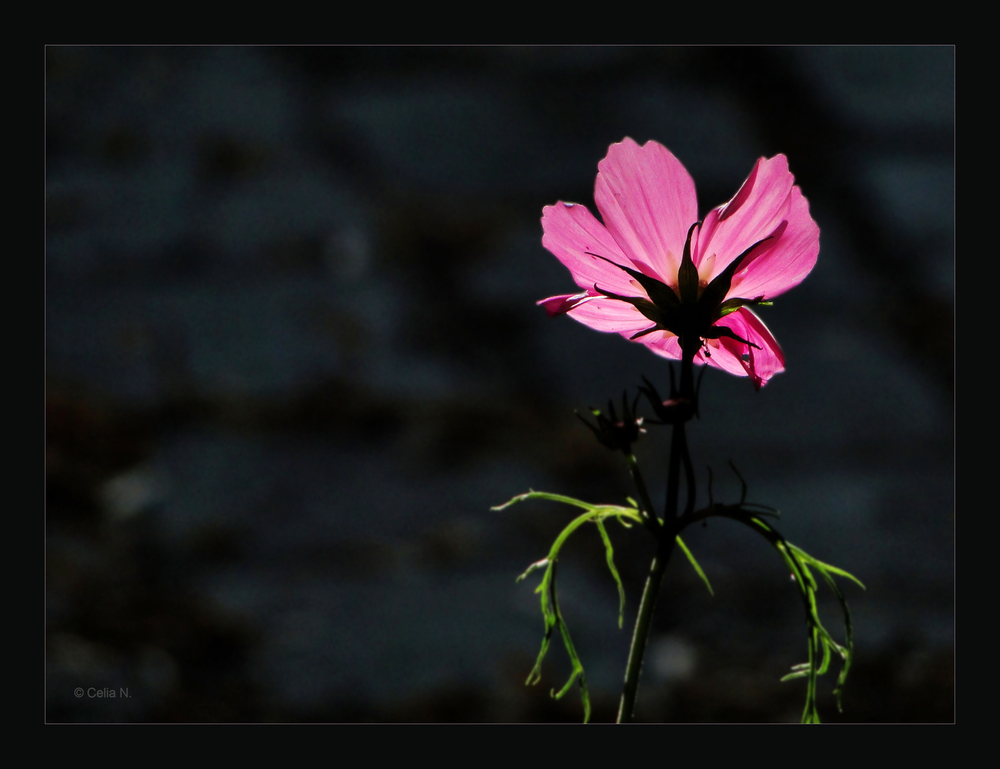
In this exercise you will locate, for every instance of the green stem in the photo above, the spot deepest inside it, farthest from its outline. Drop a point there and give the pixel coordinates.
(626, 710)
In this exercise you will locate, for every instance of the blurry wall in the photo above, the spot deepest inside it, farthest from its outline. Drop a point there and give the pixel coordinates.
(293, 357)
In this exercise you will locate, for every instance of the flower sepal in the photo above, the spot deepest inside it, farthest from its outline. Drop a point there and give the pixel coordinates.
(691, 315)
(732, 305)
(715, 332)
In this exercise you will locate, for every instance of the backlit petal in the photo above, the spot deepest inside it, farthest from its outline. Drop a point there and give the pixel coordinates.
(647, 200)
(760, 364)
(752, 215)
(558, 305)
(570, 231)
(610, 315)
(788, 262)
(663, 343)
(717, 356)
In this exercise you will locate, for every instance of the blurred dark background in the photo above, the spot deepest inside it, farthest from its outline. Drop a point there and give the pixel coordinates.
(293, 357)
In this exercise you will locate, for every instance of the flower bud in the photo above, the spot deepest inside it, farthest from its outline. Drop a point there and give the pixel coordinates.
(616, 434)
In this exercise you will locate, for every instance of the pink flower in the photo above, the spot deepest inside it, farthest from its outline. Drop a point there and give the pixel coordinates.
(655, 274)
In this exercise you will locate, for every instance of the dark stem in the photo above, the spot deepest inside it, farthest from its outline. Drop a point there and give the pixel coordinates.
(648, 514)
(678, 444)
(689, 348)
(666, 537)
(688, 477)
(678, 447)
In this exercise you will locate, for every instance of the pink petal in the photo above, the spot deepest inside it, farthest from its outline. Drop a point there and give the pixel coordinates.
(557, 305)
(610, 315)
(752, 215)
(717, 356)
(570, 231)
(727, 354)
(647, 200)
(761, 364)
(664, 344)
(603, 314)
(788, 262)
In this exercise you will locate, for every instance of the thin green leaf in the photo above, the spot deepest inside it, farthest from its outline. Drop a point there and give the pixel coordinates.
(571, 651)
(543, 495)
(551, 613)
(535, 566)
(695, 564)
(826, 567)
(821, 645)
(610, 554)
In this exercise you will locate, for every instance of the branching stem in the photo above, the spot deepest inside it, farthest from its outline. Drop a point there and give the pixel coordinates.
(666, 536)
